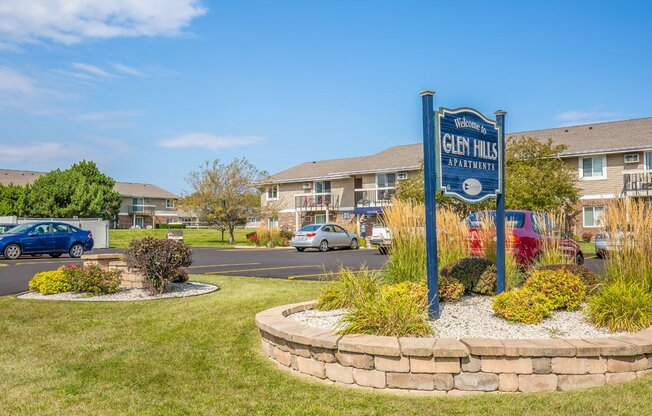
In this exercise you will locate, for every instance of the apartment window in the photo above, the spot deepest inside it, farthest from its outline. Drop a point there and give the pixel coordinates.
(272, 222)
(648, 161)
(322, 187)
(593, 216)
(272, 193)
(386, 180)
(593, 167)
(169, 203)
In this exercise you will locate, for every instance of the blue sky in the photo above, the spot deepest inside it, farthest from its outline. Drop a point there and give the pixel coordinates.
(151, 89)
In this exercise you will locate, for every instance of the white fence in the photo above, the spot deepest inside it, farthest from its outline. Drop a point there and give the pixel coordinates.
(97, 226)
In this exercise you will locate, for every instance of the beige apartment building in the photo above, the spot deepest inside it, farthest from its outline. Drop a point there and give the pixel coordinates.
(143, 205)
(613, 160)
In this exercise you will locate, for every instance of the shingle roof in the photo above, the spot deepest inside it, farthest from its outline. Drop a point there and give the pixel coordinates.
(128, 189)
(404, 157)
(609, 137)
(606, 137)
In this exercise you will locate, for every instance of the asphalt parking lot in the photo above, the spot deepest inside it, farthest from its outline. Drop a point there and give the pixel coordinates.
(271, 263)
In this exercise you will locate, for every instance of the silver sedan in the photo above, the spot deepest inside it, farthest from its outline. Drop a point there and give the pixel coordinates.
(324, 237)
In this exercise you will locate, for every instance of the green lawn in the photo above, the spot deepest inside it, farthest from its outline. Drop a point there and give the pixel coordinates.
(201, 356)
(197, 238)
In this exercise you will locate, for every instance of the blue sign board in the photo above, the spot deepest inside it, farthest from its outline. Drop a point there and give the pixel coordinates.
(469, 152)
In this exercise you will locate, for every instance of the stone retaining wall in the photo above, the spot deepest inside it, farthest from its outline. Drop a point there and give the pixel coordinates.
(450, 366)
(113, 261)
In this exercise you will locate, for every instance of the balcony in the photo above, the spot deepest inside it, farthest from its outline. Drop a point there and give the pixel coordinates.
(637, 184)
(142, 209)
(373, 199)
(316, 202)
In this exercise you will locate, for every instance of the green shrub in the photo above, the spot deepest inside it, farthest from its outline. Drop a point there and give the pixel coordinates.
(179, 276)
(622, 306)
(590, 279)
(50, 282)
(467, 271)
(450, 290)
(158, 260)
(397, 310)
(486, 285)
(564, 289)
(522, 305)
(349, 289)
(92, 279)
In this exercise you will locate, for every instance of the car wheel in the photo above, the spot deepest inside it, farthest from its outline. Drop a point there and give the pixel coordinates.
(600, 254)
(323, 246)
(382, 250)
(300, 249)
(55, 255)
(12, 251)
(76, 251)
(354, 244)
(579, 259)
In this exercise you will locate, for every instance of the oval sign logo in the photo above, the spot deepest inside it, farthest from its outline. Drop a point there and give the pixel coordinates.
(472, 186)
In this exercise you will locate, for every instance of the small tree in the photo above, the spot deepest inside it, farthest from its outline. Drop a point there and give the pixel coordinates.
(158, 260)
(223, 195)
(12, 199)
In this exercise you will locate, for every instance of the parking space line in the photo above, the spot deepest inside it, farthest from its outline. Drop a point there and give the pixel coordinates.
(263, 269)
(20, 263)
(299, 276)
(222, 265)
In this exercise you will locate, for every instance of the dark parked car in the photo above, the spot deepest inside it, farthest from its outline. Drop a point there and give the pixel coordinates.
(527, 240)
(53, 238)
(6, 227)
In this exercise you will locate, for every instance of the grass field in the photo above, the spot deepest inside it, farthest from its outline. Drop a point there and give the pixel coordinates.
(201, 356)
(198, 238)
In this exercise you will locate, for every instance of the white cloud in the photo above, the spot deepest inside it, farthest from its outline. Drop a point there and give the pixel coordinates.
(73, 21)
(209, 141)
(575, 117)
(92, 69)
(128, 70)
(109, 119)
(12, 81)
(37, 154)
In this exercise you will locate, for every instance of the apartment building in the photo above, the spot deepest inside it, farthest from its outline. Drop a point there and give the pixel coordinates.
(613, 160)
(143, 205)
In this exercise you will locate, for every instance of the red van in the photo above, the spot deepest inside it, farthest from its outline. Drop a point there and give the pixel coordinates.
(526, 241)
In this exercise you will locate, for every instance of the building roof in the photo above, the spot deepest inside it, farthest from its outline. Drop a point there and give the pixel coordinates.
(126, 189)
(596, 138)
(403, 157)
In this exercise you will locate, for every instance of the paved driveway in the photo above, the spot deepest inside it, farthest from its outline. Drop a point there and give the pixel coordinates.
(273, 263)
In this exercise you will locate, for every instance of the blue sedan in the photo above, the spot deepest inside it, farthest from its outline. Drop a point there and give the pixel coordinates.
(53, 238)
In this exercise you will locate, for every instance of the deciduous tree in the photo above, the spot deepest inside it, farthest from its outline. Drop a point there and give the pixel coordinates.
(223, 195)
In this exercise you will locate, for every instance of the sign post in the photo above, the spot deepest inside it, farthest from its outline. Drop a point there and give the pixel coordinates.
(430, 185)
(464, 158)
(500, 208)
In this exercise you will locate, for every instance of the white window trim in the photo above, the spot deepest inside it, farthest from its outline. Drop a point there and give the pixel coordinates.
(593, 207)
(169, 203)
(580, 166)
(267, 197)
(645, 155)
(270, 221)
(385, 174)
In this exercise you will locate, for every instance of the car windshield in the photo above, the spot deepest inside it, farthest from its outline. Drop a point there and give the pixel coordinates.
(20, 229)
(310, 228)
(512, 219)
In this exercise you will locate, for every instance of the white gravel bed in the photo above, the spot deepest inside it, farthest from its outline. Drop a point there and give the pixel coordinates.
(472, 317)
(175, 290)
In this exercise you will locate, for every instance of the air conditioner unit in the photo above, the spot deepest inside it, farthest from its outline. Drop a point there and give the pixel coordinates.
(307, 185)
(631, 158)
(401, 175)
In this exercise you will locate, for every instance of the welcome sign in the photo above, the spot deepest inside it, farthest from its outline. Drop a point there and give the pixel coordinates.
(468, 153)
